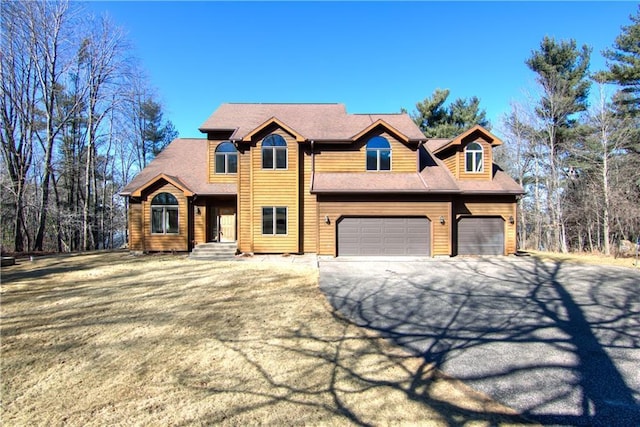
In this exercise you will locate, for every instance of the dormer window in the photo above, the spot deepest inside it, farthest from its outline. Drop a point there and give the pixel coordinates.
(473, 155)
(274, 152)
(226, 158)
(378, 154)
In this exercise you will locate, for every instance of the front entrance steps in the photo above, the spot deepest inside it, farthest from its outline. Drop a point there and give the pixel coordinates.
(215, 251)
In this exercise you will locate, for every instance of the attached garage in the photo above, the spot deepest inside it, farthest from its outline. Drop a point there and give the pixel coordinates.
(480, 236)
(384, 236)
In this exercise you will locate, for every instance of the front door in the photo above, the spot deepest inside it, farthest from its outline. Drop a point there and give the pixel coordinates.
(222, 224)
(227, 221)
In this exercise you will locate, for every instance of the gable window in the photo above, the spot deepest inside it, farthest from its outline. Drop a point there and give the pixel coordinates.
(164, 214)
(378, 154)
(274, 152)
(274, 220)
(473, 158)
(226, 158)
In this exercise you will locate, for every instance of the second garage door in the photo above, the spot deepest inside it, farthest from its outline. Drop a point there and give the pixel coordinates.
(384, 236)
(481, 236)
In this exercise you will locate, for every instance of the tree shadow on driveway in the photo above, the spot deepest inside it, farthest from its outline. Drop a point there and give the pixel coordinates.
(558, 342)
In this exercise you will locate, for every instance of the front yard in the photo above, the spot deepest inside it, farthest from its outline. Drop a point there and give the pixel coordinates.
(108, 338)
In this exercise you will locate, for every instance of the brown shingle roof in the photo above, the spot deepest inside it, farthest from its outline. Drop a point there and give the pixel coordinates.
(434, 145)
(185, 161)
(435, 174)
(434, 177)
(501, 183)
(367, 182)
(319, 122)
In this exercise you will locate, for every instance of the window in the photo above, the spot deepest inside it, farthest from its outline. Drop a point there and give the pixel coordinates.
(473, 158)
(274, 220)
(274, 152)
(164, 214)
(378, 154)
(226, 158)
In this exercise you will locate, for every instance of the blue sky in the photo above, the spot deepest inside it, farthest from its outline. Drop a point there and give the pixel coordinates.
(372, 56)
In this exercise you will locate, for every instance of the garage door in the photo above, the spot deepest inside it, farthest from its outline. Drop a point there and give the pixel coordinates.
(384, 236)
(480, 236)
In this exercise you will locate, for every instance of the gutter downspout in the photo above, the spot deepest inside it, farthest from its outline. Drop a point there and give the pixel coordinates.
(313, 165)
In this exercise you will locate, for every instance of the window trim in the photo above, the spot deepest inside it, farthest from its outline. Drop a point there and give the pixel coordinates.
(274, 149)
(471, 168)
(225, 155)
(164, 209)
(274, 223)
(378, 151)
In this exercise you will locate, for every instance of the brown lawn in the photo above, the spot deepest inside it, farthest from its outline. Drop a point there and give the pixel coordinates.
(587, 258)
(108, 338)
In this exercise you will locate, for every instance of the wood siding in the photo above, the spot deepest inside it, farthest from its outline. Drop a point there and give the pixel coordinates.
(275, 187)
(352, 157)
(309, 205)
(451, 162)
(336, 208)
(200, 223)
(502, 206)
(136, 238)
(245, 235)
(165, 242)
(211, 162)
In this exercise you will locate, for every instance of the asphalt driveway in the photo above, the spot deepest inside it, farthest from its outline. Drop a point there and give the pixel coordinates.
(559, 342)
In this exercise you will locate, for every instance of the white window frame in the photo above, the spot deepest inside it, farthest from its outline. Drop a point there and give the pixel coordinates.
(274, 224)
(274, 149)
(378, 151)
(226, 155)
(476, 153)
(164, 213)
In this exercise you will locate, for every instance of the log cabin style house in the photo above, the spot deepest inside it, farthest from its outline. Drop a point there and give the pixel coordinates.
(311, 178)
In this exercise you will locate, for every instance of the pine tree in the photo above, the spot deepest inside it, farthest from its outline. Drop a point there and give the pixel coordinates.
(439, 121)
(562, 71)
(624, 64)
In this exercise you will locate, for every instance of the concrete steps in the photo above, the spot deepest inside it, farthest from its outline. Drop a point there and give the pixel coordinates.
(215, 251)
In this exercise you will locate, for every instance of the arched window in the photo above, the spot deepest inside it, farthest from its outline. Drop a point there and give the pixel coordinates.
(473, 158)
(164, 214)
(378, 154)
(226, 158)
(274, 152)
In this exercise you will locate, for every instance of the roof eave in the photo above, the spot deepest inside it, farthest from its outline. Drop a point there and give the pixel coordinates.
(494, 192)
(424, 192)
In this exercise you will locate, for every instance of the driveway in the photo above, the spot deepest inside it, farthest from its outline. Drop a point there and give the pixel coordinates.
(559, 342)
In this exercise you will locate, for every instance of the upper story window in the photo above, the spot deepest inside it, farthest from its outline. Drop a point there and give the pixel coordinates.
(226, 158)
(164, 214)
(473, 158)
(378, 154)
(274, 152)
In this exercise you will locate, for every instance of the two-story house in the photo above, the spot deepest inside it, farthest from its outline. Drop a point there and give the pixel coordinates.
(296, 178)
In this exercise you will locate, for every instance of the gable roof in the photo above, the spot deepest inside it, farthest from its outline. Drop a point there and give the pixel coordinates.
(174, 180)
(317, 122)
(182, 163)
(273, 121)
(437, 145)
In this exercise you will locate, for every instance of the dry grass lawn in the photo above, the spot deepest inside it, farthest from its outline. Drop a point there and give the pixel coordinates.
(113, 339)
(587, 258)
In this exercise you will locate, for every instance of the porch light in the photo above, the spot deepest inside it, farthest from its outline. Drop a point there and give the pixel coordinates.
(197, 210)
(441, 220)
(511, 220)
(326, 219)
